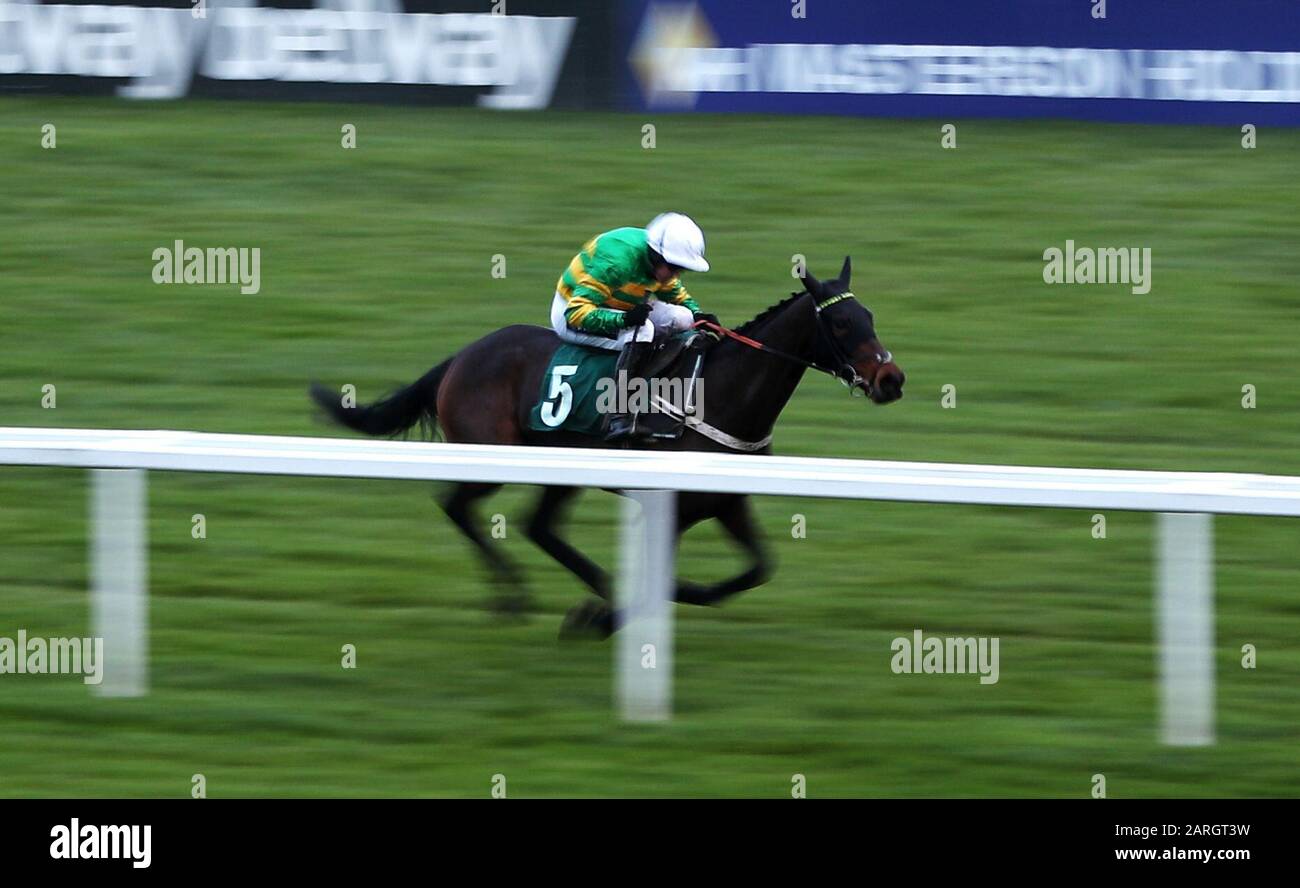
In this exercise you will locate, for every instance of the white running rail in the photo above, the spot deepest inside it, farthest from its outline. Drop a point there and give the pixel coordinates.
(1184, 549)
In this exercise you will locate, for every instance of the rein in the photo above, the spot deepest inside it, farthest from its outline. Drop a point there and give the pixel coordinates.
(846, 373)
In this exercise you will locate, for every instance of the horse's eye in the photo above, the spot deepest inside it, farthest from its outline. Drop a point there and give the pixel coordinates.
(840, 325)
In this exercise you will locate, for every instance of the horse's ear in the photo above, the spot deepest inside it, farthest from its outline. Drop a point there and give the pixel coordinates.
(846, 273)
(810, 283)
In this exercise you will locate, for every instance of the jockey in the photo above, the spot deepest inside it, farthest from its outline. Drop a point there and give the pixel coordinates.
(625, 285)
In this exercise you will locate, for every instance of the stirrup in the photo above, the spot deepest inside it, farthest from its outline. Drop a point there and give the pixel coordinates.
(624, 427)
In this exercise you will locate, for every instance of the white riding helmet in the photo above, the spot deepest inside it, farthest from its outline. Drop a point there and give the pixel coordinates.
(679, 240)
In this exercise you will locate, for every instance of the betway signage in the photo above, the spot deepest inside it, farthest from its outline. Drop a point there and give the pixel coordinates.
(1195, 60)
(509, 61)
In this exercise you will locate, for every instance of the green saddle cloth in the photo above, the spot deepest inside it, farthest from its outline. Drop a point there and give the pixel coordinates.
(568, 399)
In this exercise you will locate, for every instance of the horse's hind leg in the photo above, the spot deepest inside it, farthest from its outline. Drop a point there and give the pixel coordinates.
(510, 596)
(542, 527)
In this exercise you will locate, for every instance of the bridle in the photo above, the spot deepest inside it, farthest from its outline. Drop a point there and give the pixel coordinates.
(843, 368)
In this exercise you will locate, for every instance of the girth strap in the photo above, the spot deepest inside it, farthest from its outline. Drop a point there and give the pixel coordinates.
(711, 432)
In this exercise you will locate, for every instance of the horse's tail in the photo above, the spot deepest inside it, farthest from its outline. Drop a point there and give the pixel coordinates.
(393, 414)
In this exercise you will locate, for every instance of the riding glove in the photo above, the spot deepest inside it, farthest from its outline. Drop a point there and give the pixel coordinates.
(637, 315)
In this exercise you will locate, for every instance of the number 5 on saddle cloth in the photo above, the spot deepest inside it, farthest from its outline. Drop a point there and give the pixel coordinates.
(580, 388)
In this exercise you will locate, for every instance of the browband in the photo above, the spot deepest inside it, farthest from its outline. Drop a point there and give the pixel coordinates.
(834, 299)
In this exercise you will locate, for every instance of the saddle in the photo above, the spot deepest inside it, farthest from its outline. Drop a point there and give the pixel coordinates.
(674, 375)
(670, 348)
(576, 388)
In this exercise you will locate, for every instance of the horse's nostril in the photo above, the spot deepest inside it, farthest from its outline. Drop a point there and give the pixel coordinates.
(890, 386)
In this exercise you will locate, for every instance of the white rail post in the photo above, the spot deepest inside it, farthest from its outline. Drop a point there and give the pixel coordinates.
(119, 577)
(644, 652)
(1185, 627)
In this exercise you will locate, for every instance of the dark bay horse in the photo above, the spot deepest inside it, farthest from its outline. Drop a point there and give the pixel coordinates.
(483, 395)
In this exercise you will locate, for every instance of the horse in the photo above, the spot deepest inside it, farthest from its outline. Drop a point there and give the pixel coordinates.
(484, 393)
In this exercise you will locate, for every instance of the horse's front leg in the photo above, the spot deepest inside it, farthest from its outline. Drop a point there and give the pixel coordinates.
(542, 530)
(736, 516)
(600, 620)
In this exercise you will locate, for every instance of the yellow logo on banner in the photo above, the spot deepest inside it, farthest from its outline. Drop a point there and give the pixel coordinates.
(661, 54)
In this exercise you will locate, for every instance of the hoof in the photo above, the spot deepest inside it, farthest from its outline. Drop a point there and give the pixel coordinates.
(591, 621)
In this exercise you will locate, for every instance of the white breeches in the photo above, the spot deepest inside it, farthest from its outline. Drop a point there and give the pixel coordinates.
(664, 317)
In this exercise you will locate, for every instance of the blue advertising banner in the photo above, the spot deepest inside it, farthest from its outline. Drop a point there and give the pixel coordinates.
(1173, 61)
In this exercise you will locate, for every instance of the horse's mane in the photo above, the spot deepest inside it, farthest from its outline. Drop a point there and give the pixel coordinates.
(769, 311)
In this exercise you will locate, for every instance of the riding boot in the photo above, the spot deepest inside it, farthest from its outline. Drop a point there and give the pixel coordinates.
(632, 360)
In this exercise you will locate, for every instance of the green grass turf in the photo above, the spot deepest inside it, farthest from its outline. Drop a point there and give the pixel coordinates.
(376, 264)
